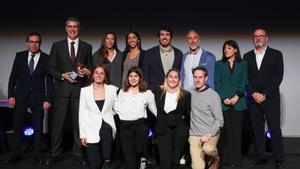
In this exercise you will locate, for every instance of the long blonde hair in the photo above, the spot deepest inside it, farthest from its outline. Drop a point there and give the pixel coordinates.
(179, 92)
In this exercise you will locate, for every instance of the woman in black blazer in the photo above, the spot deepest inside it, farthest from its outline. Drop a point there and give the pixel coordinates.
(133, 54)
(172, 124)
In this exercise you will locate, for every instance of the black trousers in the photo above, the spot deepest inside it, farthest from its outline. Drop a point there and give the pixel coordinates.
(98, 152)
(62, 106)
(37, 124)
(230, 144)
(134, 142)
(260, 113)
(171, 146)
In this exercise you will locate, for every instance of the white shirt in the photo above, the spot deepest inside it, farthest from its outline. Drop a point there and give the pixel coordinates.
(191, 61)
(35, 59)
(259, 56)
(170, 102)
(75, 45)
(131, 107)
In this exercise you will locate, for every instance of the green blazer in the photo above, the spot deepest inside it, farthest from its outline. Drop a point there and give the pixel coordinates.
(227, 85)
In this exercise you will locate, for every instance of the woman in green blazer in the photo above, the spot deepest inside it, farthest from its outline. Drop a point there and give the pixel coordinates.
(230, 83)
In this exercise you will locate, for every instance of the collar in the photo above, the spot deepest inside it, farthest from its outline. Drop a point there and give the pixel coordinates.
(202, 90)
(260, 53)
(165, 50)
(70, 40)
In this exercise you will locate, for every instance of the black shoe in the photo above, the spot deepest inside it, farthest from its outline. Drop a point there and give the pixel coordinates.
(106, 165)
(52, 160)
(38, 160)
(80, 160)
(279, 164)
(259, 162)
(13, 159)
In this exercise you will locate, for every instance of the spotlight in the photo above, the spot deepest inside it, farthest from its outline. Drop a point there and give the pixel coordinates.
(28, 131)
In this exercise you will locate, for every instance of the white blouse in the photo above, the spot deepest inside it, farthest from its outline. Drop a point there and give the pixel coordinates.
(170, 102)
(131, 106)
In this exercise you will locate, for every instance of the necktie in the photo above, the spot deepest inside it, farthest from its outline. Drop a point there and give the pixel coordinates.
(31, 64)
(72, 52)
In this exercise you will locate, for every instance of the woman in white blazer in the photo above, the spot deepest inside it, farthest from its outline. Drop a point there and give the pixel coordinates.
(96, 122)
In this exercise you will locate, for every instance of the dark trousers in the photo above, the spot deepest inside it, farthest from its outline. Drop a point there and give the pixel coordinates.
(267, 111)
(98, 152)
(171, 146)
(37, 124)
(134, 142)
(60, 108)
(230, 144)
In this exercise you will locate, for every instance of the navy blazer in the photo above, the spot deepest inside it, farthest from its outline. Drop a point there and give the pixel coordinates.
(268, 78)
(153, 68)
(22, 84)
(175, 117)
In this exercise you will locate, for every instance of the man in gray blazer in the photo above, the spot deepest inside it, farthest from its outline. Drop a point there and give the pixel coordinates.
(69, 63)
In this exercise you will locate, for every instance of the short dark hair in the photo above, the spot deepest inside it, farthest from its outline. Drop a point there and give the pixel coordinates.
(165, 28)
(33, 34)
(142, 84)
(235, 45)
(73, 19)
(202, 68)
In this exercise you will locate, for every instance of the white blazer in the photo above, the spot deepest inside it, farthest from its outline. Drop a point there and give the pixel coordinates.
(90, 117)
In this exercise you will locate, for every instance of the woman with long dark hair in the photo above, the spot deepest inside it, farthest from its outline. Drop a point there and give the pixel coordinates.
(230, 83)
(172, 124)
(131, 104)
(96, 122)
(109, 55)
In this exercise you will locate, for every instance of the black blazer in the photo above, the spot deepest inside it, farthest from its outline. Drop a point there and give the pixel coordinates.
(60, 62)
(22, 84)
(153, 68)
(141, 59)
(175, 117)
(266, 80)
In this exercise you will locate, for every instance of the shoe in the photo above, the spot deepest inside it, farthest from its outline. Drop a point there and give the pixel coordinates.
(80, 160)
(52, 160)
(279, 164)
(106, 165)
(143, 164)
(259, 162)
(214, 164)
(38, 160)
(13, 159)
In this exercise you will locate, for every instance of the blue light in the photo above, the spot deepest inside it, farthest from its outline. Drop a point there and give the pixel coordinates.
(268, 134)
(28, 131)
(150, 133)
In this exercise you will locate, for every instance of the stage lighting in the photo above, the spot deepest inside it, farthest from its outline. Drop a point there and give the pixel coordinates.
(150, 133)
(28, 131)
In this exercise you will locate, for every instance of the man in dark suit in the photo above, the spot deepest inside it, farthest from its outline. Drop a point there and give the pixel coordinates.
(159, 59)
(29, 86)
(69, 63)
(265, 73)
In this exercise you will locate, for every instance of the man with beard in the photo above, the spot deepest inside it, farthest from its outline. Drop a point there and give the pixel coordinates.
(265, 73)
(161, 58)
(196, 56)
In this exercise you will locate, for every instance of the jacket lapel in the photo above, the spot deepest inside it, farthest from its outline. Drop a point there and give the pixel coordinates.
(91, 102)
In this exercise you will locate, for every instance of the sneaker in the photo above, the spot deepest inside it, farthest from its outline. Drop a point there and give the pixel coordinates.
(182, 161)
(143, 164)
(214, 164)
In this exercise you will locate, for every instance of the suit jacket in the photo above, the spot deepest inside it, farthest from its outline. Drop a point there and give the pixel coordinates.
(90, 116)
(141, 59)
(228, 85)
(60, 62)
(268, 78)
(173, 118)
(207, 60)
(22, 84)
(153, 68)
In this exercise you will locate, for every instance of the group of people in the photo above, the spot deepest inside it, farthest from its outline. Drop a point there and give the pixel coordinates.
(111, 95)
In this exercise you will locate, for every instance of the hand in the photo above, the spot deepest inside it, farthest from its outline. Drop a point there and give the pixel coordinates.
(258, 97)
(205, 137)
(65, 76)
(11, 102)
(227, 101)
(46, 105)
(83, 142)
(83, 72)
(234, 99)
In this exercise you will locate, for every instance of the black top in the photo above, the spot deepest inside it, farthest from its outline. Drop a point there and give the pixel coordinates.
(100, 104)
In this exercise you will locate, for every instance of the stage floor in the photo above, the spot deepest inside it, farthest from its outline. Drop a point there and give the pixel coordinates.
(292, 161)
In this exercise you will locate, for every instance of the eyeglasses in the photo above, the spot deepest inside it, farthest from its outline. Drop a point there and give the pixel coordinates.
(36, 42)
(259, 36)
